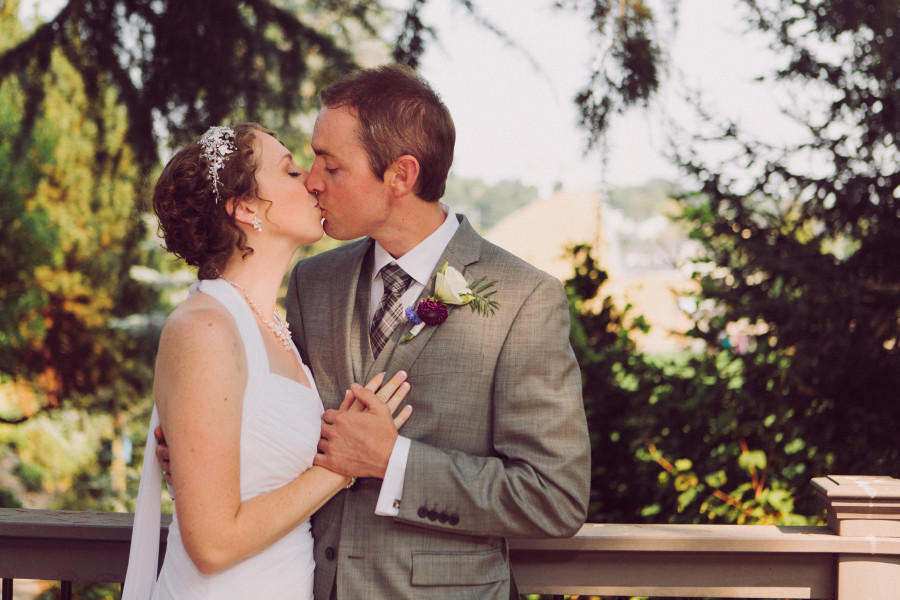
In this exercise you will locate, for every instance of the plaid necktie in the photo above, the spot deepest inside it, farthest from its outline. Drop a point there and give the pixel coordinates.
(390, 310)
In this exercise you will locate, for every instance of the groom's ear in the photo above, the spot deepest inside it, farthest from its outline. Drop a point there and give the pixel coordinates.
(402, 175)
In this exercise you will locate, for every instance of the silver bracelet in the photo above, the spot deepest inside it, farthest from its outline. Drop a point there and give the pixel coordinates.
(350, 485)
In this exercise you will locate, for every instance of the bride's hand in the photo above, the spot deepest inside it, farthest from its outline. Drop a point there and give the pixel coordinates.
(358, 439)
(391, 393)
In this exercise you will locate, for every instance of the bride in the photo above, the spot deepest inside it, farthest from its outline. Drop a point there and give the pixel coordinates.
(240, 410)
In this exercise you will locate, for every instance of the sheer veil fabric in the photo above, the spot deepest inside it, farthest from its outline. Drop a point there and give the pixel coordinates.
(143, 556)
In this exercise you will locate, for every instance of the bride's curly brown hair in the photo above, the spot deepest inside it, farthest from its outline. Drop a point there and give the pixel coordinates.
(194, 226)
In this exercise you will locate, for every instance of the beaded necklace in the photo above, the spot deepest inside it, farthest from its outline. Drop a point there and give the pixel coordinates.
(278, 327)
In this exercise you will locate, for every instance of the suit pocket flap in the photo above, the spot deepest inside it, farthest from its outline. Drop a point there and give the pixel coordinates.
(458, 568)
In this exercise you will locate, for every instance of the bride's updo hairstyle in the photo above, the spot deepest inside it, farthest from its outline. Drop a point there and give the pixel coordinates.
(192, 193)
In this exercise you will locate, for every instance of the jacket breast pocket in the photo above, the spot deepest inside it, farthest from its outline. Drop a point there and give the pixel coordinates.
(459, 568)
(455, 346)
(444, 363)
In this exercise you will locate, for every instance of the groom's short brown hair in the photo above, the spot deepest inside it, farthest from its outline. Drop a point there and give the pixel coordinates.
(398, 114)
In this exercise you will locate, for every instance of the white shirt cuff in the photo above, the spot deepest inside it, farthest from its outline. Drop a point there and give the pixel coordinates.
(388, 504)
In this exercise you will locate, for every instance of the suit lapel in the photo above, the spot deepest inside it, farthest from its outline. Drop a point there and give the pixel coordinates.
(349, 310)
(463, 250)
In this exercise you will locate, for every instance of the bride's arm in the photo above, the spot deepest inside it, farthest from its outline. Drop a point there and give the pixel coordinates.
(201, 375)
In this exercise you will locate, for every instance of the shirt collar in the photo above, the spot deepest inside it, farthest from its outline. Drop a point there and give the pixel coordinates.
(421, 261)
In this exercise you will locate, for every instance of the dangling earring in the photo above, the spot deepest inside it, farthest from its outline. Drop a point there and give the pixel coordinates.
(257, 223)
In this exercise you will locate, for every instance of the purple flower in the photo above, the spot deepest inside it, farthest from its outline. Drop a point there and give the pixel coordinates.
(450, 288)
(432, 312)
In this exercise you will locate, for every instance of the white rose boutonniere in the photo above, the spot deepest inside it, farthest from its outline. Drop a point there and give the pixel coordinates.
(450, 287)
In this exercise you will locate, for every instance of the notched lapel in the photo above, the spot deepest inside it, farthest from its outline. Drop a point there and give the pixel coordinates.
(463, 250)
(346, 315)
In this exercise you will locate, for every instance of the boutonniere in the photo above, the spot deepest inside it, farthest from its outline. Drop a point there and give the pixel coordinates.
(450, 288)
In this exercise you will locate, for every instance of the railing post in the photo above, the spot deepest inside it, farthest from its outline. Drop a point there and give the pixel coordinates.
(867, 507)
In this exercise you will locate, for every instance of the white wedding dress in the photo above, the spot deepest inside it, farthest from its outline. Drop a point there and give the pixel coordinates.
(279, 432)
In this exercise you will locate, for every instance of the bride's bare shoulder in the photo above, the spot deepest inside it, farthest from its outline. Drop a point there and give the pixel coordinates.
(199, 320)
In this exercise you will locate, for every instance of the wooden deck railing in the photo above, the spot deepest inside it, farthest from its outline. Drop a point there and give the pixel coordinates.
(855, 557)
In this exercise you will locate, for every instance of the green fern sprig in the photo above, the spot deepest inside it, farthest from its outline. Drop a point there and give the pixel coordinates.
(482, 302)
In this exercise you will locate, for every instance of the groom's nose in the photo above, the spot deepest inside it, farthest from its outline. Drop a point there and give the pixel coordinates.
(314, 182)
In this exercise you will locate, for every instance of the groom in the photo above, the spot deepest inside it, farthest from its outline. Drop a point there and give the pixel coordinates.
(497, 445)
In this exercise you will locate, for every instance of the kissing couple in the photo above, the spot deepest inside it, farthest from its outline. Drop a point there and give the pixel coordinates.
(292, 478)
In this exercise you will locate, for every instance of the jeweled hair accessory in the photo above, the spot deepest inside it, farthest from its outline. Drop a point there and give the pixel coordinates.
(216, 144)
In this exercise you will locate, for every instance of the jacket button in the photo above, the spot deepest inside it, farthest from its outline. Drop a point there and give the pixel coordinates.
(423, 512)
(329, 553)
(432, 515)
(443, 517)
(453, 520)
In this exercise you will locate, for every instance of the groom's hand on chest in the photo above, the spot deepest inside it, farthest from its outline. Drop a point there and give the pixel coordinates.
(358, 438)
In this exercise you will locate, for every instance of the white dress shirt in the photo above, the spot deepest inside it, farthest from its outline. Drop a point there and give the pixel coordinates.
(420, 263)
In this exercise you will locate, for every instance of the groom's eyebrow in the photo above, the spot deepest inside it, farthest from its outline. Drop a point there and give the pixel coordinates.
(321, 152)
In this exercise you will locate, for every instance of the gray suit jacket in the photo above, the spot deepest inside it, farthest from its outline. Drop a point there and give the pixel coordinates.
(499, 440)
